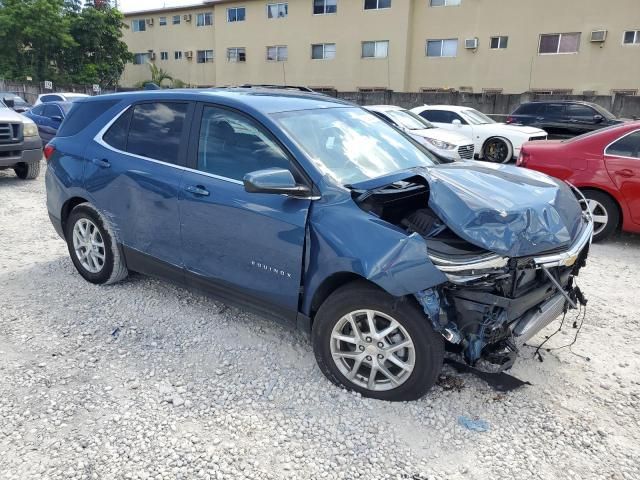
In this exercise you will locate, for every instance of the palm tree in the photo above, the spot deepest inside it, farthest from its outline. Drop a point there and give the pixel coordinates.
(158, 75)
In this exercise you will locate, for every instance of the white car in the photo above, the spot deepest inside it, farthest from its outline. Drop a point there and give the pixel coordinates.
(451, 145)
(59, 97)
(493, 141)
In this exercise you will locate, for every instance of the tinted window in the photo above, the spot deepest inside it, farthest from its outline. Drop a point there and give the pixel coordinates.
(554, 110)
(82, 115)
(50, 98)
(581, 111)
(628, 146)
(37, 110)
(156, 130)
(441, 116)
(51, 111)
(529, 109)
(232, 145)
(116, 136)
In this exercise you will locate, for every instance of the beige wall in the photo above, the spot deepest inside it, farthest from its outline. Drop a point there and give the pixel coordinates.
(407, 26)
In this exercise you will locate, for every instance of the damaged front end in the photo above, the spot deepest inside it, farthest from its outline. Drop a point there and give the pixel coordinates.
(510, 260)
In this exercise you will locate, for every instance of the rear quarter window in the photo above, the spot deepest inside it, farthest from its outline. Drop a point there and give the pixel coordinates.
(529, 109)
(82, 115)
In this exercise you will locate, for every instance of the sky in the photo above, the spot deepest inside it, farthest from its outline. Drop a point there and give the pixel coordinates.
(136, 5)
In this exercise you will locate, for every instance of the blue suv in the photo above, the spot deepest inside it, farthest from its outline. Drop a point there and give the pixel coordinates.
(311, 209)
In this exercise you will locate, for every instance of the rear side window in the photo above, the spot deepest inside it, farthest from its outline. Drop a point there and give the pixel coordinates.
(529, 109)
(82, 115)
(116, 136)
(37, 110)
(628, 146)
(52, 111)
(156, 129)
(555, 110)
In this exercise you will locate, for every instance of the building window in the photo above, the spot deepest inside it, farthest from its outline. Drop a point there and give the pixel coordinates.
(552, 91)
(177, 55)
(631, 37)
(236, 14)
(378, 49)
(204, 19)
(372, 89)
(176, 20)
(236, 54)
(323, 51)
(376, 4)
(140, 58)
(277, 10)
(162, 21)
(492, 91)
(164, 55)
(499, 42)
(444, 3)
(277, 53)
(324, 7)
(442, 48)
(138, 25)
(204, 56)
(625, 91)
(557, 43)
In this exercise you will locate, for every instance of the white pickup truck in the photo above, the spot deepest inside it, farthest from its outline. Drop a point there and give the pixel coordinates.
(20, 144)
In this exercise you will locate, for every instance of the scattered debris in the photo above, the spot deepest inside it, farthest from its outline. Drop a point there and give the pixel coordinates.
(473, 424)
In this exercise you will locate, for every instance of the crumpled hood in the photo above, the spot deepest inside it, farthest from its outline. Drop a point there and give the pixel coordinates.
(507, 210)
(443, 135)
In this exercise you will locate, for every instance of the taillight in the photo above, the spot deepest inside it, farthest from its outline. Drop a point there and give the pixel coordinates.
(48, 151)
(523, 158)
(510, 119)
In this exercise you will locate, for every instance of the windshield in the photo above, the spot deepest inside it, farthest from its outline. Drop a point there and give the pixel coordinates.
(408, 119)
(474, 117)
(17, 101)
(352, 145)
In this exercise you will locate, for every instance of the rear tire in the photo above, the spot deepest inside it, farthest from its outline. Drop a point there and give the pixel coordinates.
(370, 353)
(27, 171)
(497, 150)
(605, 212)
(93, 246)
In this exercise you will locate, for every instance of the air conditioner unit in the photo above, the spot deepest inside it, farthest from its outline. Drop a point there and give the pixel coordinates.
(188, 54)
(149, 21)
(471, 43)
(598, 36)
(186, 17)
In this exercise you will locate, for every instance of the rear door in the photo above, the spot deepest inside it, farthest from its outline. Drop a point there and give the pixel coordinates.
(134, 174)
(555, 120)
(581, 119)
(622, 159)
(246, 247)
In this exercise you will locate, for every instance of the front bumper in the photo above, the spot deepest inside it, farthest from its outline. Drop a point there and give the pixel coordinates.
(27, 151)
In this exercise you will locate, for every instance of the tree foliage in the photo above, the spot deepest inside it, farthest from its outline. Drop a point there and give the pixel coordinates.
(158, 75)
(62, 40)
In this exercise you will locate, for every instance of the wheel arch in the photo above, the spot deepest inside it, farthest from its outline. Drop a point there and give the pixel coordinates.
(330, 285)
(621, 212)
(67, 207)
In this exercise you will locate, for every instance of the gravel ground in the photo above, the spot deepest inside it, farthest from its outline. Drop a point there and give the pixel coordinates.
(147, 380)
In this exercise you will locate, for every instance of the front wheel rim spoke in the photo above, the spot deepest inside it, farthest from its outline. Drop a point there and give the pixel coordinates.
(399, 346)
(403, 365)
(389, 375)
(371, 381)
(345, 338)
(355, 369)
(389, 330)
(371, 322)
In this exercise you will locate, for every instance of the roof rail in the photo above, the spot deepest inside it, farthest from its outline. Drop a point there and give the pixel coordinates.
(282, 87)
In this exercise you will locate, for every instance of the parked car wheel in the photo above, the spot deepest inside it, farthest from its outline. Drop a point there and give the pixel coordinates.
(27, 171)
(367, 341)
(605, 213)
(92, 246)
(497, 150)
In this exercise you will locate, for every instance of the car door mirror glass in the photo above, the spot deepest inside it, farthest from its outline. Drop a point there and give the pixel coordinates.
(274, 180)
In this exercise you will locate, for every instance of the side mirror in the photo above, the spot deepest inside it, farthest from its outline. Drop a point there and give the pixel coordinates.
(275, 180)
(9, 102)
(457, 123)
(56, 118)
(598, 118)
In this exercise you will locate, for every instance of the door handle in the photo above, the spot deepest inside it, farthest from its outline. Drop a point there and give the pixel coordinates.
(625, 172)
(101, 163)
(197, 190)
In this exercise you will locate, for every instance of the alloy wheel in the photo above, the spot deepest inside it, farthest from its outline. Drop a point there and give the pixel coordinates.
(496, 151)
(88, 245)
(372, 350)
(599, 215)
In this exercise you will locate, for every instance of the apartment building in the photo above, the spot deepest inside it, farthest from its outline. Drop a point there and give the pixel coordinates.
(509, 46)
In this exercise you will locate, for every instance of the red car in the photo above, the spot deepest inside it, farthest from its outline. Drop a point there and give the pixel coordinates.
(604, 165)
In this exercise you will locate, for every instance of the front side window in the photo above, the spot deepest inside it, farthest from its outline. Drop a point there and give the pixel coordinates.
(162, 21)
(232, 145)
(323, 51)
(277, 10)
(350, 144)
(325, 7)
(140, 58)
(444, 3)
(376, 4)
(138, 25)
(474, 117)
(377, 49)
(442, 48)
(499, 42)
(408, 120)
(441, 116)
(176, 20)
(580, 111)
(177, 55)
(155, 130)
(204, 56)
(557, 43)
(236, 14)
(627, 146)
(204, 19)
(236, 54)
(631, 37)
(277, 53)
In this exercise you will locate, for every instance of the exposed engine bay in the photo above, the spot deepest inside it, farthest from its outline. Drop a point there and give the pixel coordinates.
(491, 304)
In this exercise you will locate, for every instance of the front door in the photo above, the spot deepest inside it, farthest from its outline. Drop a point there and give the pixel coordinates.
(622, 159)
(246, 247)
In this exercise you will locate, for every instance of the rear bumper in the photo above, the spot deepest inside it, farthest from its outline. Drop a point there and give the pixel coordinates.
(27, 151)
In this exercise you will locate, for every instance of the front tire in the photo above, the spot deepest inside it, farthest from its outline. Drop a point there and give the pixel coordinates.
(605, 213)
(27, 171)
(370, 342)
(497, 150)
(93, 247)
